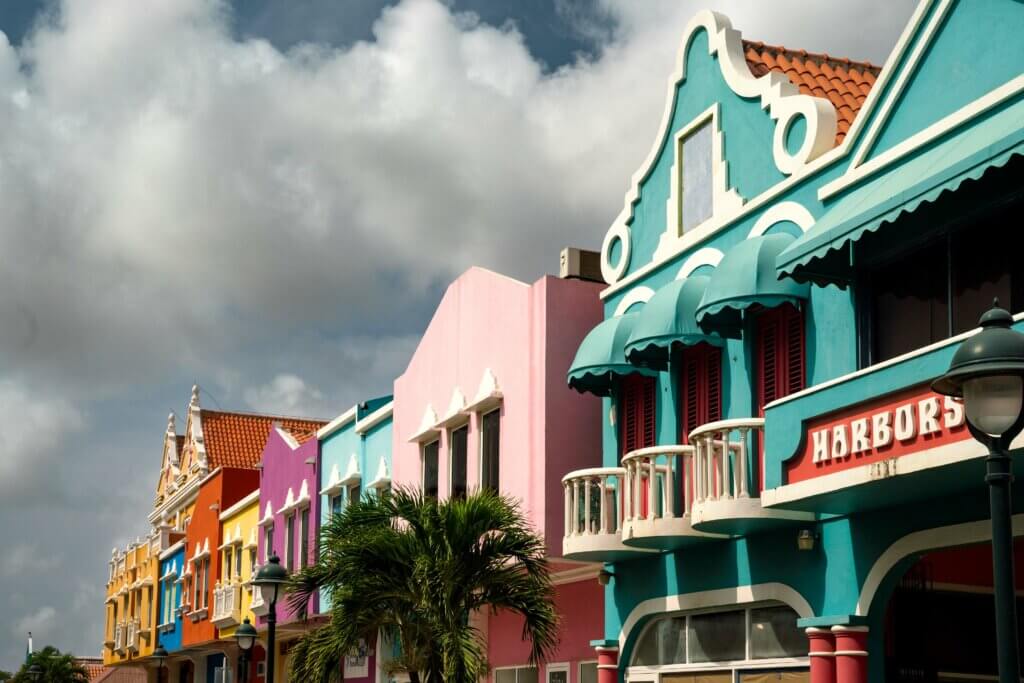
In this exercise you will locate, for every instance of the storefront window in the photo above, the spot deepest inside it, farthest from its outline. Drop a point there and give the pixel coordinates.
(588, 672)
(717, 637)
(774, 633)
(663, 643)
(521, 674)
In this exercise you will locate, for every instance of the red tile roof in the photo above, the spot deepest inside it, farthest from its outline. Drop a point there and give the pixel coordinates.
(121, 674)
(94, 669)
(845, 83)
(237, 439)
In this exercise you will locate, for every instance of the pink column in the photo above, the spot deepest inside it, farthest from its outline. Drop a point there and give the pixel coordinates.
(851, 654)
(822, 654)
(607, 664)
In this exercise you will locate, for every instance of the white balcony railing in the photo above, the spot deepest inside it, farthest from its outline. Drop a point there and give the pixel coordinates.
(257, 605)
(652, 477)
(593, 515)
(119, 636)
(721, 461)
(132, 637)
(227, 600)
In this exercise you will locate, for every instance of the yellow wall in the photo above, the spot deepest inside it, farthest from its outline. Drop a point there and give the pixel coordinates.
(133, 586)
(240, 523)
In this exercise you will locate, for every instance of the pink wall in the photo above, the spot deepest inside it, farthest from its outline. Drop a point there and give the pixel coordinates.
(581, 606)
(527, 336)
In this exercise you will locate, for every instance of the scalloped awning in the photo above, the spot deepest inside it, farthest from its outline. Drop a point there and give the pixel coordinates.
(746, 277)
(823, 254)
(668, 318)
(602, 356)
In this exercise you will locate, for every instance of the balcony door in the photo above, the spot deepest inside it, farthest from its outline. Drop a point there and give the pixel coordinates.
(700, 387)
(637, 422)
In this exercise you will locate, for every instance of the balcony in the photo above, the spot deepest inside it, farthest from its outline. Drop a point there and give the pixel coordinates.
(227, 599)
(727, 479)
(132, 636)
(593, 516)
(120, 631)
(659, 493)
(257, 605)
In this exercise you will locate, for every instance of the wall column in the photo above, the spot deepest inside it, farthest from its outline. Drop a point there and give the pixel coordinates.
(851, 654)
(607, 664)
(822, 652)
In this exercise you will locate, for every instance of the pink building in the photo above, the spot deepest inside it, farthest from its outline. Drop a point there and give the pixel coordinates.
(484, 402)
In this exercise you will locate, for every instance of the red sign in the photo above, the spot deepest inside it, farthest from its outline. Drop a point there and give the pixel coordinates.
(910, 421)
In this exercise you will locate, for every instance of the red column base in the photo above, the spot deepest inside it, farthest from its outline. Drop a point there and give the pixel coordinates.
(851, 654)
(607, 665)
(822, 653)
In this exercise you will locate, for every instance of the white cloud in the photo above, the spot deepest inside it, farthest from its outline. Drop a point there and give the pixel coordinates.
(39, 623)
(286, 394)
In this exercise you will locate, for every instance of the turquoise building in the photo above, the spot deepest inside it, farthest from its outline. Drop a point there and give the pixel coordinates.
(809, 239)
(172, 563)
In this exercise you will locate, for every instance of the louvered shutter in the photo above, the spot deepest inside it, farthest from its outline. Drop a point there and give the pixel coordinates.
(794, 350)
(638, 428)
(713, 381)
(700, 384)
(650, 435)
(780, 354)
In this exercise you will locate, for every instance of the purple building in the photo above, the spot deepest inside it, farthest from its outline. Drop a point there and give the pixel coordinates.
(289, 521)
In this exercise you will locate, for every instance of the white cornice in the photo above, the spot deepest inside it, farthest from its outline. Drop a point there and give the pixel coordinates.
(375, 418)
(337, 423)
(171, 549)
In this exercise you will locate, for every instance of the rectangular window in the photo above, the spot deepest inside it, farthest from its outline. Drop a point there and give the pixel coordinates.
(268, 541)
(637, 403)
(490, 437)
(354, 492)
(336, 505)
(228, 563)
(459, 446)
(588, 672)
(779, 354)
(774, 633)
(430, 465)
(700, 387)
(304, 538)
(206, 580)
(521, 674)
(717, 637)
(696, 196)
(252, 562)
(289, 541)
(238, 564)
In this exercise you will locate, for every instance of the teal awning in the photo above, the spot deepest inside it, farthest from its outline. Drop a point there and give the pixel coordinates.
(746, 277)
(668, 317)
(601, 356)
(822, 255)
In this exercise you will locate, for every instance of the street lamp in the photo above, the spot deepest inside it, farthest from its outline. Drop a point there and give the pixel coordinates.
(35, 672)
(245, 635)
(160, 655)
(269, 579)
(987, 372)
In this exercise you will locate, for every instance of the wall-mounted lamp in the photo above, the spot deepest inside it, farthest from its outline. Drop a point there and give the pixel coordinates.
(215, 507)
(805, 539)
(604, 577)
(310, 461)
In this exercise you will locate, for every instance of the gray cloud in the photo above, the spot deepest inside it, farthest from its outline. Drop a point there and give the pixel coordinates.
(183, 205)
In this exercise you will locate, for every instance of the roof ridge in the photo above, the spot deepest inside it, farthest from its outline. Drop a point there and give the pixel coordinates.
(822, 56)
(265, 416)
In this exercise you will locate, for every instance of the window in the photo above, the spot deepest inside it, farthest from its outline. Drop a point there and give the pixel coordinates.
(252, 562)
(430, 469)
(336, 505)
(238, 564)
(939, 290)
(696, 193)
(636, 414)
(490, 436)
(228, 563)
(738, 635)
(700, 387)
(304, 538)
(206, 580)
(779, 354)
(588, 672)
(354, 492)
(289, 541)
(458, 452)
(268, 541)
(519, 674)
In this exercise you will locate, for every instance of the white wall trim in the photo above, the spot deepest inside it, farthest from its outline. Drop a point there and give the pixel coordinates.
(375, 418)
(337, 423)
(637, 295)
(936, 130)
(793, 212)
(708, 256)
(921, 541)
(722, 597)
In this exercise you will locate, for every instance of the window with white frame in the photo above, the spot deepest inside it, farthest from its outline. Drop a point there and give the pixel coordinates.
(268, 541)
(238, 563)
(587, 672)
(696, 192)
(252, 562)
(724, 637)
(336, 504)
(490, 438)
(289, 541)
(228, 562)
(304, 538)
(354, 492)
(516, 674)
(430, 468)
(458, 454)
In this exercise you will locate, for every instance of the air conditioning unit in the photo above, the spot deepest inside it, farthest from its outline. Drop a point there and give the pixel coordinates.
(580, 264)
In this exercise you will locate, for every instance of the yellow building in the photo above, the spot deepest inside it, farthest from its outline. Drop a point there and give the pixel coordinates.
(131, 601)
(232, 594)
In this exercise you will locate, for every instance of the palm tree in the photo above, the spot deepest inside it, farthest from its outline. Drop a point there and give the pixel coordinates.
(415, 569)
(57, 667)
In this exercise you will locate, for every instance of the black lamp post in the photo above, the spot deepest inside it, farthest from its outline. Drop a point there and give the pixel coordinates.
(35, 672)
(160, 655)
(269, 579)
(987, 371)
(245, 636)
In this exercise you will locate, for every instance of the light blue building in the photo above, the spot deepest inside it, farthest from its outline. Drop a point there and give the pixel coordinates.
(172, 562)
(783, 495)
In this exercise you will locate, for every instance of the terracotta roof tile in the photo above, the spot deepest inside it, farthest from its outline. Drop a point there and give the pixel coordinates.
(843, 82)
(237, 439)
(121, 674)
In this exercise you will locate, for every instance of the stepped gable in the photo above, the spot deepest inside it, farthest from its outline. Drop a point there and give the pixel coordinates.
(843, 82)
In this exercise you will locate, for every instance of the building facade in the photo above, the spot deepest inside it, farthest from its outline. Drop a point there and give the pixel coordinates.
(355, 456)
(783, 497)
(483, 404)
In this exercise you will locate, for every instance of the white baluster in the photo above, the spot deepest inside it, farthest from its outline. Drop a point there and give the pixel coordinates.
(567, 497)
(587, 485)
(742, 469)
(575, 507)
(602, 492)
(652, 483)
(685, 478)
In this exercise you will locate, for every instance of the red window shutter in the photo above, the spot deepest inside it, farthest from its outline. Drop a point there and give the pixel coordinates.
(700, 384)
(650, 435)
(780, 354)
(638, 403)
(713, 378)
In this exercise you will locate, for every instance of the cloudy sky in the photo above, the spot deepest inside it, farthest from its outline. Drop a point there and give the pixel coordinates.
(267, 197)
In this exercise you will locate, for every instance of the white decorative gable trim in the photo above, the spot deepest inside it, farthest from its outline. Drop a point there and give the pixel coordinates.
(793, 212)
(708, 256)
(456, 413)
(383, 478)
(333, 483)
(782, 100)
(352, 473)
(337, 423)
(488, 395)
(286, 436)
(637, 295)
(427, 430)
(268, 516)
(292, 503)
